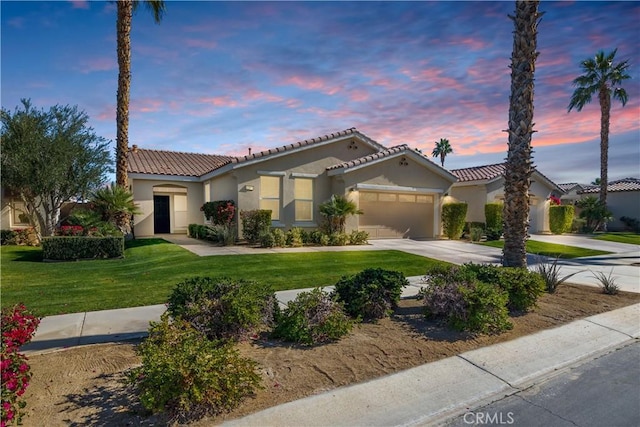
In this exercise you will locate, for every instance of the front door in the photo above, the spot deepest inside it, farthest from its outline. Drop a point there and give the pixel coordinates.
(161, 218)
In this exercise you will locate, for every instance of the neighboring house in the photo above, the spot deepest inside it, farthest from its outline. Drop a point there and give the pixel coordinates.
(13, 212)
(399, 190)
(480, 185)
(572, 192)
(623, 199)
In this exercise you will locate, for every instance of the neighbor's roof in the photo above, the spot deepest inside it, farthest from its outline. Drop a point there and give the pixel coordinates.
(491, 172)
(158, 162)
(625, 184)
(569, 186)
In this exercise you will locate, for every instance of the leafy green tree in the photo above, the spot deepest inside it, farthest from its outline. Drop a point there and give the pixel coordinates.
(336, 210)
(113, 203)
(441, 150)
(594, 212)
(519, 165)
(595, 181)
(601, 76)
(125, 15)
(50, 157)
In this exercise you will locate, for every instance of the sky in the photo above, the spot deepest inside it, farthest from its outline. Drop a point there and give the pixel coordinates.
(222, 77)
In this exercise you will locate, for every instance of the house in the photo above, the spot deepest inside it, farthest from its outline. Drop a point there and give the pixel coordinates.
(13, 211)
(399, 190)
(480, 185)
(623, 199)
(572, 192)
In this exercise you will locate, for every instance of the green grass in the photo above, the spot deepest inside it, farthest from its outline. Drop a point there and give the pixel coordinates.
(631, 238)
(551, 249)
(152, 267)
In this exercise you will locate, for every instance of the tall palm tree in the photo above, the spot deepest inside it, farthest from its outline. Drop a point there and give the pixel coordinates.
(603, 77)
(336, 210)
(125, 10)
(442, 149)
(519, 165)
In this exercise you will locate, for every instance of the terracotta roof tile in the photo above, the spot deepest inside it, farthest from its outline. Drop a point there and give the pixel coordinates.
(479, 173)
(371, 157)
(158, 162)
(626, 184)
(568, 186)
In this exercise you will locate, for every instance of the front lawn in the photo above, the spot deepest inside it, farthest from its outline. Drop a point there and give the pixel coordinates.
(551, 249)
(630, 238)
(152, 267)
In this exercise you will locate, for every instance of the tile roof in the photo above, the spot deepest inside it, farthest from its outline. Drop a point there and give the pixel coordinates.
(158, 162)
(307, 142)
(625, 184)
(479, 173)
(371, 157)
(568, 186)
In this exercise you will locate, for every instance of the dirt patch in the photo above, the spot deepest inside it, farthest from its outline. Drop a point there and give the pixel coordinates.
(83, 386)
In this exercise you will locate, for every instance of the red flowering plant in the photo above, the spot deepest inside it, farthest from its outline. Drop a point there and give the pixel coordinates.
(18, 327)
(70, 230)
(220, 212)
(555, 201)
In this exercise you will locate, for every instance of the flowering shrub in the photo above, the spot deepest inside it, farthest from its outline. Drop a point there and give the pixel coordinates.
(21, 237)
(554, 201)
(18, 327)
(220, 212)
(70, 230)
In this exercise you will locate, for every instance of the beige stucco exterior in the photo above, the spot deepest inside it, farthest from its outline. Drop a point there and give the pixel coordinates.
(622, 203)
(478, 193)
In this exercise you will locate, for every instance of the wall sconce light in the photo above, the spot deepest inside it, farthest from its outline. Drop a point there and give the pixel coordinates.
(248, 188)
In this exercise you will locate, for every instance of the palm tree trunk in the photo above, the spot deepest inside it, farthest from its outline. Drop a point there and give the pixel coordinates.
(605, 113)
(123, 26)
(519, 165)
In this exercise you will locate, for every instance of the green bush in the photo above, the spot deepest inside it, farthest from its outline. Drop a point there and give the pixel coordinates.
(453, 215)
(21, 237)
(630, 224)
(7, 236)
(371, 294)
(561, 218)
(198, 231)
(222, 233)
(338, 239)
(255, 223)
(191, 230)
(476, 234)
(294, 237)
(62, 248)
(468, 306)
(312, 318)
(358, 237)
(189, 376)
(493, 233)
(220, 212)
(493, 215)
(522, 286)
(279, 238)
(267, 240)
(469, 225)
(222, 308)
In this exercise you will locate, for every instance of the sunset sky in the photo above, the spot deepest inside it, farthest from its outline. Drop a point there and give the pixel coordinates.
(220, 77)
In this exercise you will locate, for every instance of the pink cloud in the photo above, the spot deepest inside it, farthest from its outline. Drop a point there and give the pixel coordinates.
(317, 84)
(97, 64)
(471, 43)
(108, 113)
(435, 77)
(79, 4)
(146, 105)
(219, 101)
(200, 43)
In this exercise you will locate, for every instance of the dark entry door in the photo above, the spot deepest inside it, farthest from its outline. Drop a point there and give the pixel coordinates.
(161, 218)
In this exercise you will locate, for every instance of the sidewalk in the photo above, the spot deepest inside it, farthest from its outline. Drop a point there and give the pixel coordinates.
(425, 395)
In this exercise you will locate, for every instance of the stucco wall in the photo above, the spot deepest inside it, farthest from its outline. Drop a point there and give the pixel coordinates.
(475, 196)
(622, 203)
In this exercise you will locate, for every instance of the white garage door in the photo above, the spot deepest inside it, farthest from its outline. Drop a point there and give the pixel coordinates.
(396, 215)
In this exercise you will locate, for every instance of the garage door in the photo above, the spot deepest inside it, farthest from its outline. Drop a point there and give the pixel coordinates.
(396, 215)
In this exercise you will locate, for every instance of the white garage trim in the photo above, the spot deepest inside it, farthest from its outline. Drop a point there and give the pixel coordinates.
(397, 189)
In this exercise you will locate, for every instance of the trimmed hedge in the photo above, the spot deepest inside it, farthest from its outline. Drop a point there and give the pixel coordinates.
(493, 215)
(73, 248)
(255, 223)
(561, 218)
(453, 216)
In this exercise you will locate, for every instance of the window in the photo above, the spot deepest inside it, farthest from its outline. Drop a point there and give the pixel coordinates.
(303, 193)
(270, 195)
(19, 214)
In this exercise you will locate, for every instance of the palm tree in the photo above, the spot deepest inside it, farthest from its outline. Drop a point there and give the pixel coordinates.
(336, 210)
(123, 25)
(442, 149)
(603, 77)
(519, 166)
(113, 203)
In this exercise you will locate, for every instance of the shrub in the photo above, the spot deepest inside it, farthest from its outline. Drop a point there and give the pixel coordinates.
(223, 233)
(7, 237)
(279, 238)
(522, 286)
(315, 237)
(335, 212)
(579, 225)
(189, 376)
(493, 233)
(607, 283)
(631, 224)
(18, 327)
(371, 294)
(220, 212)
(337, 239)
(294, 237)
(358, 237)
(325, 239)
(560, 218)
(476, 234)
(255, 223)
(493, 215)
(468, 306)
(469, 225)
(267, 240)
(594, 212)
(22, 237)
(84, 247)
(198, 231)
(453, 215)
(312, 318)
(222, 308)
(550, 274)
